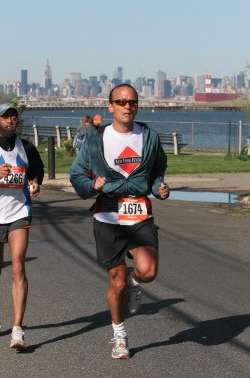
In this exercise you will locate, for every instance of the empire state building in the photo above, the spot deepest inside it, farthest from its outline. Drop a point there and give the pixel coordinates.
(48, 78)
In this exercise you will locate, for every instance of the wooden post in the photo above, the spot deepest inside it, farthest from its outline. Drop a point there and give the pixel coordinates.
(68, 132)
(35, 135)
(51, 158)
(176, 150)
(240, 137)
(248, 147)
(192, 135)
(58, 137)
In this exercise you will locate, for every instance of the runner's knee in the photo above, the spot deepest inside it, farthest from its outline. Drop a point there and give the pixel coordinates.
(117, 280)
(147, 272)
(18, 271)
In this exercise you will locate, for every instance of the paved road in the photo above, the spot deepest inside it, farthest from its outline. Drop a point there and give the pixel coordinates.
(195, 318)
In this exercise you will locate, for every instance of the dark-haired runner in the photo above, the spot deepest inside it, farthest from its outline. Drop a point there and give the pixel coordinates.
(21, 173)
(123, 163)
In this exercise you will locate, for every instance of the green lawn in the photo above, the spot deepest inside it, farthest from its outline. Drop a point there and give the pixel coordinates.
(184, 163)
(63, 162)
(206, 164)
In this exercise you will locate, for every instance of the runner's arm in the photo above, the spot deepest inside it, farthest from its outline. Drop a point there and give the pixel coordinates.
(36, 169)
(158, 171)
(80, 174)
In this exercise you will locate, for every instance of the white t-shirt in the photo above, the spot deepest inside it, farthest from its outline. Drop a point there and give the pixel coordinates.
(15, 200)
(123, 153)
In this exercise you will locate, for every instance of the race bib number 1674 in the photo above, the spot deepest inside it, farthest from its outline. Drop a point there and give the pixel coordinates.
(132, 210)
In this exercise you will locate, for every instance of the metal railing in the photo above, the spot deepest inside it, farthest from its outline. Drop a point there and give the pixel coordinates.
(214, 136)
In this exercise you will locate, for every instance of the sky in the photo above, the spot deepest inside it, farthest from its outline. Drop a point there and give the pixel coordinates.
(94, 37)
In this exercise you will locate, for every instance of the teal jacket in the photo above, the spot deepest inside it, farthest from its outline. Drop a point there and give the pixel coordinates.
(90, 163)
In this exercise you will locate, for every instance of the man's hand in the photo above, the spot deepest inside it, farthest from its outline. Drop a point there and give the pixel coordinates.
(5, 169)
(164, 190)
(34, 188)
(99, 183)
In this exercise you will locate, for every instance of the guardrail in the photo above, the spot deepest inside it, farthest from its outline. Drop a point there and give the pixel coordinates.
(200, 136)
(40, 132)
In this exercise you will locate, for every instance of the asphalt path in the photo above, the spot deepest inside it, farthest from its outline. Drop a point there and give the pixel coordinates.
(195, 318)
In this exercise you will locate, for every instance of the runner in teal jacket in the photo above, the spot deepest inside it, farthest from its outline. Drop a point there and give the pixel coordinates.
(121, 164)
(90, 163)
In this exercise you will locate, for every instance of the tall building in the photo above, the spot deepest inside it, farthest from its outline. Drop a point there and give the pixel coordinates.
(160, 84)
(240, 80)
(167, 88)
(24, 83)
(151, 84)
(48, 78)
(118, 76)
(120, 73)
(140, 82)
(80, 86)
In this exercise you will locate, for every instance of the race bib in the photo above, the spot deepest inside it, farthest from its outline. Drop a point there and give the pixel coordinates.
(133, 210)
(15, 179)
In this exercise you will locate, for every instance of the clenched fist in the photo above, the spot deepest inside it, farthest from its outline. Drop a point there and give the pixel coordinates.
(99, 183)
(164, 190)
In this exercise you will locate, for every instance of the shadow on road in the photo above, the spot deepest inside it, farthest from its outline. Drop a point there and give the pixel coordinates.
(209, 332)
(98, 320)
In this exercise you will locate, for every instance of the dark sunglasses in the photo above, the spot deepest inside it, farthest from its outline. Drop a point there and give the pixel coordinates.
(123, 102)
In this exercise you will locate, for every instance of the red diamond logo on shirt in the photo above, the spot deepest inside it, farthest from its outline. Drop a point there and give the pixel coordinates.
(128, 160)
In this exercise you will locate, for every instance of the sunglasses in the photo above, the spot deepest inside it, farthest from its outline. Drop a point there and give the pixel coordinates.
(123, 102)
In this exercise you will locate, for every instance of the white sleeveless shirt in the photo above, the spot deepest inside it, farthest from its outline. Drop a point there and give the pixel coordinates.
(15, 202)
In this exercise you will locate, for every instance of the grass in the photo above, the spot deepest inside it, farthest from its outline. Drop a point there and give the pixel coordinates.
(206, 164)
(181, 164)
(62, 160)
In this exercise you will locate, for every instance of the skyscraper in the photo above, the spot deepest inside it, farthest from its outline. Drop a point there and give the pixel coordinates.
(118, 76)
(48, 78)
(120, 73)
(160, 80)
(24, 83)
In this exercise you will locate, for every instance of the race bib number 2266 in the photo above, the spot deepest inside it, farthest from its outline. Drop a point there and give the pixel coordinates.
(15, 178)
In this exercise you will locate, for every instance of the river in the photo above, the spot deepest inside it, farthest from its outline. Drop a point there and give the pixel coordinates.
(200, 129)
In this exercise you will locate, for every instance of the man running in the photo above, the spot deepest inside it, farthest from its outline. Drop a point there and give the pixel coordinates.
(21, 173)
(122, 163)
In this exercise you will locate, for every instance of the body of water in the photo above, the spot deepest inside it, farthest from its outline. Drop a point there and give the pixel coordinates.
(200, 129)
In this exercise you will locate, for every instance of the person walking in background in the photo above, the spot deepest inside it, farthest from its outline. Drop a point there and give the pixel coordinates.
(97, 120)
(81, 131)
(122, 164)
(21, 174)
(86, 122)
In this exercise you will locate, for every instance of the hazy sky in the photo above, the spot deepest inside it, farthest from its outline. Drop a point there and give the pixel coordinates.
(93, 37)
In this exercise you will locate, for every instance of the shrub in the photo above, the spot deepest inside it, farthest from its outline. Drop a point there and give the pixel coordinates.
(68, 146)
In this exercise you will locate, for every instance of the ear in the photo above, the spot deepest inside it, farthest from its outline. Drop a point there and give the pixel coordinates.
(110, 108)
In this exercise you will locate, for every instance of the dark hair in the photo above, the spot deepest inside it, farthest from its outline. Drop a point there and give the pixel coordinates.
(120, 86)
(88, 119)
(10, 112)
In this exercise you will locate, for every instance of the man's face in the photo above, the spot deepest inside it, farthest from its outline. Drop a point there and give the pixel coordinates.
(97, 120)
(8, 125)
(124, 105)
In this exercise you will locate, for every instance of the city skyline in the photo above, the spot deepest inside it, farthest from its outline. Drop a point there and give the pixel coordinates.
(115, 74)
(160, 87)
(192, 38)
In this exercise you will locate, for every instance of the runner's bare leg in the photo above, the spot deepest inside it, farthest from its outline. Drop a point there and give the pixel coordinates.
(18, 242)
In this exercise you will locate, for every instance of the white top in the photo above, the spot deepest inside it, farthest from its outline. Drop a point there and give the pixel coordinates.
(123, 153)
(15, 200)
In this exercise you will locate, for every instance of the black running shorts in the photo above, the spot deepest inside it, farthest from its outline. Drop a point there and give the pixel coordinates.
(8, 227)
(114, 241)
